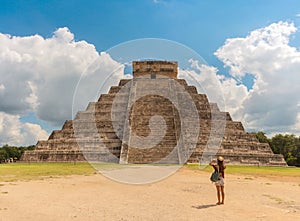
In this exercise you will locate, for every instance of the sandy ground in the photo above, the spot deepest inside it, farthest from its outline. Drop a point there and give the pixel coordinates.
(186, 195)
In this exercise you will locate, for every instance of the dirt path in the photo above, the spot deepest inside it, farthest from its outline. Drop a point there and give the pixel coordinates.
(186, 195)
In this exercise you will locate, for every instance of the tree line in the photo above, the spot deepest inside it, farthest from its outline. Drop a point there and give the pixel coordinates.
(12, 152)
(288, 145)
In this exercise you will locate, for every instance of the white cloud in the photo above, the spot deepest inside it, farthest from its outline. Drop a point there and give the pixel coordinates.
(206, 81)
(103, 73)
(40, 75)
(15, 132)
(271, 104)
(2, 88)
(64, 35)
(298, 15)
(224, 91)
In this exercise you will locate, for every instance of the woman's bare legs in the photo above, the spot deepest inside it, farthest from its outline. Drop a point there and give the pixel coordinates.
(223, 194)
(218, 194)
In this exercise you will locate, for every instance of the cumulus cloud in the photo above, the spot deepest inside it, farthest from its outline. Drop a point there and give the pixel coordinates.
(226, 92)
(2, 88)
(33, 70)
(40, 75)
(273, 102)
(15, 132)
(97, 79)
(205, 79)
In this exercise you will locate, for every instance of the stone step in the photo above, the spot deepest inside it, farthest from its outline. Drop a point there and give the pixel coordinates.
(97, 140)
(61, 134)
(182, 82)
(91, 135)
(123, 82)
(142, 123)
(263, 159)
(242, 137)
(144, 131)
(104, 116)
(67, 125)
(110, 102)
(201, 98)
(91, 107)
(88, 124)
(114, 89)
(82, 145)
(277, 163)
(153, 155)
(214, 107)
(52, 156)
(234, 125)
(77, 140)
(111, 97)
(191, 89)
(85, 115)
(246, 147)
(61, 156)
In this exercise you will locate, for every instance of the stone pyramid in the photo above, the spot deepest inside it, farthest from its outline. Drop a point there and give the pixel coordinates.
(147, 119)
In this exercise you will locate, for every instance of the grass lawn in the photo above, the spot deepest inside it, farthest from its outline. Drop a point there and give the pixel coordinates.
(33, 171)
(254, 170)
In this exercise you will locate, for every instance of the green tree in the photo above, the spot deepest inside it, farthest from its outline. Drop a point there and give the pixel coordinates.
(12, 151)
(7, 151)
(3, 154)
(289, 146)
(261, 136)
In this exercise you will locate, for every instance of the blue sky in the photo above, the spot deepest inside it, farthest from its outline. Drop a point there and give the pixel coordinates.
(203, 26)
(200, 25)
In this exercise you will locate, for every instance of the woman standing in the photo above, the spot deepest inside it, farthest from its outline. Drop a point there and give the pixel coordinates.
(220, 167)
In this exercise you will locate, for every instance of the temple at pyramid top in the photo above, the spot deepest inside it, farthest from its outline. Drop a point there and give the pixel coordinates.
(155, 69)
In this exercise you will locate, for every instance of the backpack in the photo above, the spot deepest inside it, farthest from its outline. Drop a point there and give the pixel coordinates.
(215, 176)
